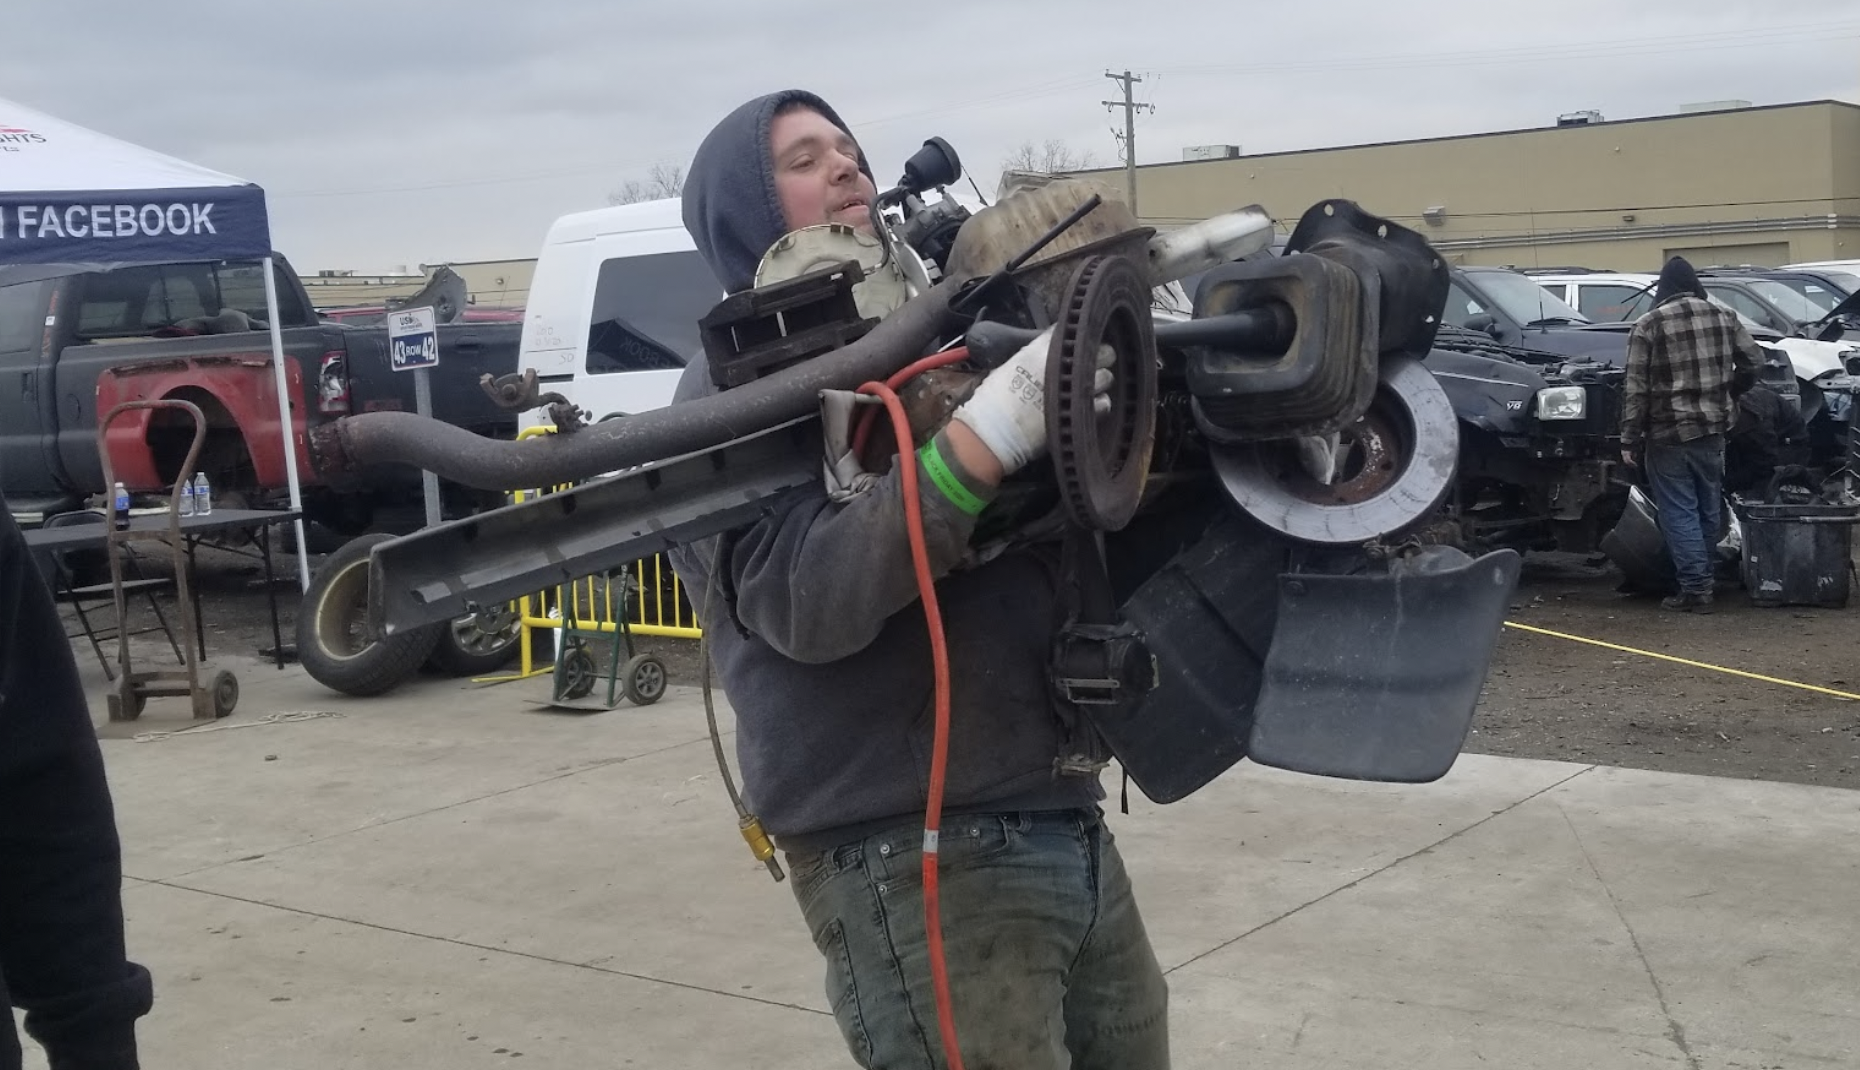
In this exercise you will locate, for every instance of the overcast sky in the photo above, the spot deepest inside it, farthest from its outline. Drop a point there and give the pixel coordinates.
(390, 133)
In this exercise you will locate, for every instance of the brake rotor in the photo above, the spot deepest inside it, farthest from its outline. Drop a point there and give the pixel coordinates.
(1371, 457)
(1398, 465)
(1102, 460)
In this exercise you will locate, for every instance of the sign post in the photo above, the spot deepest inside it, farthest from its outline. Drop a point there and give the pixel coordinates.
(413, 345)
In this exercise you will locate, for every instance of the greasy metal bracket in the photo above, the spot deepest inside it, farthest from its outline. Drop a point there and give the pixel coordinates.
(444, 572)
(1410, 280)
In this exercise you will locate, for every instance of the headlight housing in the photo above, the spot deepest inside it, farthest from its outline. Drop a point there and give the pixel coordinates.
(1562, 403)
(1850, 359)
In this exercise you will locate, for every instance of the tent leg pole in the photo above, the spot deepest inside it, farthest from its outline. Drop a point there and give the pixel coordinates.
(285, 423)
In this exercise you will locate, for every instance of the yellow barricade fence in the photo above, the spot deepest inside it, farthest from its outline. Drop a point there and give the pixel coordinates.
(646, 594)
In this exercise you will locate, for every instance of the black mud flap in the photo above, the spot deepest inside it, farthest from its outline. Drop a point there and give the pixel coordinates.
(1375, 677)
(1207, 618)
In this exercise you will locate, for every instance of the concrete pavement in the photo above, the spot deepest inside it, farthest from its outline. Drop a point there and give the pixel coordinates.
(451, 876)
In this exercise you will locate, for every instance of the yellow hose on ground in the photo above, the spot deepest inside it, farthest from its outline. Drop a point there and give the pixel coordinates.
(1683, 661)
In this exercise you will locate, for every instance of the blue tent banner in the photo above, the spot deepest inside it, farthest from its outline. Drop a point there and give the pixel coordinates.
(66, 226)
(73, 199)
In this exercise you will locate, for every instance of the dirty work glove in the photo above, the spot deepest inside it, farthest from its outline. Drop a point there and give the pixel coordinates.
(1008, 410)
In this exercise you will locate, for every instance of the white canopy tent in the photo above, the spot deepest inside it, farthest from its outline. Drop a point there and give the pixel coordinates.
(74, 200)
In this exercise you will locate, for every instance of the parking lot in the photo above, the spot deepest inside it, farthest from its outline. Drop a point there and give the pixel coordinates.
(1546, 697)
(450, 875)
(1556, 698)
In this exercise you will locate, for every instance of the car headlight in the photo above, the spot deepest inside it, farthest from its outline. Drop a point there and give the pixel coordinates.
(1562, 403)
(1850, 359)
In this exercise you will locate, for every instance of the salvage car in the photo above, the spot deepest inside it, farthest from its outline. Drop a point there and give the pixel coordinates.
(1513, 310)
(1791, 303)
(77, 345)
(1539, 443)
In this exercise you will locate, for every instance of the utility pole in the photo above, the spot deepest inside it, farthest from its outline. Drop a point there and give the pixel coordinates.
(1129, 138)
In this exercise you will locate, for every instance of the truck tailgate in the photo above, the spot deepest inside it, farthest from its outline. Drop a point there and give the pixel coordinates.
(466, 351)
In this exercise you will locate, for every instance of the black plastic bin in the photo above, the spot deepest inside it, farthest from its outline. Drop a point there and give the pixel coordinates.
(1798, 555)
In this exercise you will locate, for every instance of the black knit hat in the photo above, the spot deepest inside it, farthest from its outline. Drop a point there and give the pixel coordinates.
(1677, 278)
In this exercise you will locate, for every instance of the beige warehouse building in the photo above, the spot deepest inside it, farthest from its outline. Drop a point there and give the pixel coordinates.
(489, 284)
(1720, 184)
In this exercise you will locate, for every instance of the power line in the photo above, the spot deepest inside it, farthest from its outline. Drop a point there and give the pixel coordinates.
(1130, 106)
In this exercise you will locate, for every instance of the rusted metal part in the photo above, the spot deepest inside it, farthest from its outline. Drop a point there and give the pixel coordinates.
(1373, 450)
(244, 389)
(518, 392)
(513, 393)
(932, 398)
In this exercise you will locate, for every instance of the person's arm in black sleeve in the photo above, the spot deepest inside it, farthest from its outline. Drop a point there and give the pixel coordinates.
(61, 910)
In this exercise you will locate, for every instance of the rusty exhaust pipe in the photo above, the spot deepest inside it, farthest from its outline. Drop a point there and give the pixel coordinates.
(353, 443)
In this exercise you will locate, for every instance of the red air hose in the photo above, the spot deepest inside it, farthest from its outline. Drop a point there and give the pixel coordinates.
(939, 654)
(904, 375)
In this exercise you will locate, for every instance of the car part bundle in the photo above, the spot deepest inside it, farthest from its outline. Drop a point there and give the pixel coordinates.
(1287, 587)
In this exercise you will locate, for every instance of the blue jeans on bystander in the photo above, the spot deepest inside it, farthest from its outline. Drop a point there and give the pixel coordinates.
(1686, 479)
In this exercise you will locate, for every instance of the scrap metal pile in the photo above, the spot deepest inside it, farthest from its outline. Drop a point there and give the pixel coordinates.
(1260, 498)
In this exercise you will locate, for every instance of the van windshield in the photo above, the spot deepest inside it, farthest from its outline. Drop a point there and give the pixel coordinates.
(646, 312)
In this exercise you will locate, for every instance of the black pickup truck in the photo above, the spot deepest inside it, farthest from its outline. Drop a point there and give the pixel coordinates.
(1515, 311)
(73, 346)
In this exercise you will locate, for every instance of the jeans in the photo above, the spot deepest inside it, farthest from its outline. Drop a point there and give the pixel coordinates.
(1049, 964)
(1686, 479)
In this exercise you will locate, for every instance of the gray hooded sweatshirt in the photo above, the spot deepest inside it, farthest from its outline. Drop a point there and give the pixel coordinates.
(827, 660)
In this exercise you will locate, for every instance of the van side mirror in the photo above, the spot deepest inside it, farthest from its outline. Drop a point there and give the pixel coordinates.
(1483, 321)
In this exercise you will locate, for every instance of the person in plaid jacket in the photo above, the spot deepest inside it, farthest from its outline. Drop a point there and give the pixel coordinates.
(1687, 362)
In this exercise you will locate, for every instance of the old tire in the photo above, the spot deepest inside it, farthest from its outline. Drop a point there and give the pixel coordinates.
(478, 643)
(225, 693)
(333, 640)
(578, 673)
(643, 678)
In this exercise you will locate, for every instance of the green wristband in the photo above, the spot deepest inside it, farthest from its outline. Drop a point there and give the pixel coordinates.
(946, 481)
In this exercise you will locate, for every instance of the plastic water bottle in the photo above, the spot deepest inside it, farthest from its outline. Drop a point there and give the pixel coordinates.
(187, 498)
(203, 495)
(119, 505)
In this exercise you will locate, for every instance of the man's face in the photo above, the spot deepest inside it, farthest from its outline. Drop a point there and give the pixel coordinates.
(817, 174)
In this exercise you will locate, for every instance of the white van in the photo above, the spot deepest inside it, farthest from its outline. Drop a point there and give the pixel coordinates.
(613, 309)
(1600, 295)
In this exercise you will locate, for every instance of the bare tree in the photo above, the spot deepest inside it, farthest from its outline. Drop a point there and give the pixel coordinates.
(663, 181)
(1050, 157)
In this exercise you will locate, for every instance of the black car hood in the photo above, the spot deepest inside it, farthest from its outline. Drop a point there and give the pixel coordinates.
(1606, 342)
(1489, 392)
